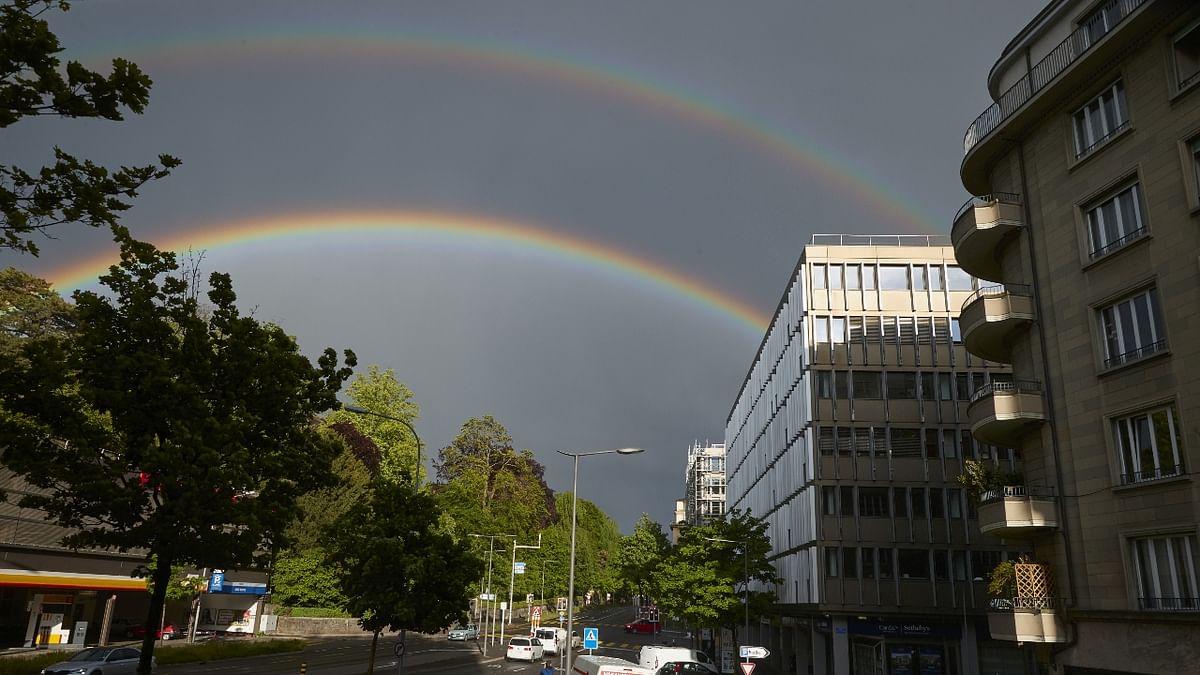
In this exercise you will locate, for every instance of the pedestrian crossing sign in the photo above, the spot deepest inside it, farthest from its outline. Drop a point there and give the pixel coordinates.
(591, 638)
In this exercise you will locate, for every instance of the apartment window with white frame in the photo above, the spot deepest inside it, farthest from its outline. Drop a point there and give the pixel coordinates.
(1115, 222)
(1100, 119)
(1149, 445)
(1099, 22)
(1186, 55)
(1194, 155)
(1132, 328)
(1165, 568)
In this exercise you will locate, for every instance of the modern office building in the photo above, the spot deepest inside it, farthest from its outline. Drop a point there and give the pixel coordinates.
(847, 437)
(704, 483)
(1087, 234)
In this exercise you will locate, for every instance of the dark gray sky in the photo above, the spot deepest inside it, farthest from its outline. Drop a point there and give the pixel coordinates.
(636, 141)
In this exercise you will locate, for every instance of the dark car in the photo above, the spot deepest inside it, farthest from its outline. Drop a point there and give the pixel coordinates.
(644, 626)
(686, 668)
(107, 660)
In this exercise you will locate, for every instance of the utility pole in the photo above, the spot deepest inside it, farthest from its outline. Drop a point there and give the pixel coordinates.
(512, 577)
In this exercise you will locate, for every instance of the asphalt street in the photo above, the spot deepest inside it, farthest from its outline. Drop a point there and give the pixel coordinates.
(430, 653)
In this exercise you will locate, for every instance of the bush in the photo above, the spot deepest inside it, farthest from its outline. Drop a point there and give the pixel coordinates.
(314, 612)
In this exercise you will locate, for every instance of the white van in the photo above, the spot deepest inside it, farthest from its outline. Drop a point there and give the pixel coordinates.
(586, 664)
(554, 638)
(654, 657)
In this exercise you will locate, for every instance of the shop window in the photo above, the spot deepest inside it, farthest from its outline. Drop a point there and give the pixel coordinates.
(1149, 445)
(1132, 328)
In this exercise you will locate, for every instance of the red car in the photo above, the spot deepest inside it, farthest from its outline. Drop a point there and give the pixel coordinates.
(644, 626)
(167, 632)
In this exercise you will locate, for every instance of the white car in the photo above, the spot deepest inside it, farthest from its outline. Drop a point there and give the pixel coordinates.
(524, 649)
(467, 632)
(110, 660)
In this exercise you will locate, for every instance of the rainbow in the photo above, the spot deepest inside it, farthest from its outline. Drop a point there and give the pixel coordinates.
(417, 228)
(631, 89)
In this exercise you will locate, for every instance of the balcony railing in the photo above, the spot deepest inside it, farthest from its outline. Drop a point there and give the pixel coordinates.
(1170, 604)
(1006, 197)
(1102, 140)
(1157, 473)
(1067, 52)
(1015, 387)
(1022, 602)
(880, 240)
(1135, 354)
(999, 290)
(1014, 491)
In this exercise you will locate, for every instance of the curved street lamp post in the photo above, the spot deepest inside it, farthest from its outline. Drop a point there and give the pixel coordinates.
(569, 652)
(363, 411)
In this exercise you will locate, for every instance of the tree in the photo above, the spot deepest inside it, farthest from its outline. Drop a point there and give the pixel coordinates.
(704, 581)
(640, 554)
(30, 310)
(398, 569)
(487, 486)
(31, 84)
(597, 540)
(381, 393)
(154, 427)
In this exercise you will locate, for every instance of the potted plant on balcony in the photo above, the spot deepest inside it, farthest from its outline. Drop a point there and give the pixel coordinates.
(1002, 585)
(980, 477)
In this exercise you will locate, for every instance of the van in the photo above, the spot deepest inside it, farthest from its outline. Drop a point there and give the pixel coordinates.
(587, 664)
(552, 638)
(653, 657)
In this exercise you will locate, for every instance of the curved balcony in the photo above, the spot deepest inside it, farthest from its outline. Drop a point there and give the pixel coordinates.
(1017, 511)
(999, 412)
(979, 228)
(1031, 615)
(990, 317)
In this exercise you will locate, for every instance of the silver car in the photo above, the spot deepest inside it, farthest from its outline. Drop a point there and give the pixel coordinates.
(95, 660)
(467, 632)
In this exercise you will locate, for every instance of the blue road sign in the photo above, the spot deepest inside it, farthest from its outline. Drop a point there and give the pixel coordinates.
(216, 582)
(591, 638)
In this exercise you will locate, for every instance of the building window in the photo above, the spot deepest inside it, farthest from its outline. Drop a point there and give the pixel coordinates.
(1132, 329)
(886, 566)
(869, 277)
(1186, 47)
(920, 278)
(1148, 444)
(867, 384)
(868, 562)
(835, 276)
(853, 279)
(928, 388)
(917, 501)
(959, 280)
(841, 381)
(900, 502)
(955, 331)
(941, 565)
(873, 502)
(901, 385)
(949, 443)
(850, 562)
(1194, 152)
(937, 278)
(1115, 222)
(914, 563)
(825, 440)
(831, 562)
(963, 386)
(821, 329)
(846, 501)
(893, 277)
(837, 330)
(818, 276)
(954, 501)
(1095, 25)
(828, 500)
(1166, 572)
(1100, 119)
(824, 384)
(937, 505)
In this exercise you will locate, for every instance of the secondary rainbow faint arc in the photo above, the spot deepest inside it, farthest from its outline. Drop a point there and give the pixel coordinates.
(439, 226)
(636, 90)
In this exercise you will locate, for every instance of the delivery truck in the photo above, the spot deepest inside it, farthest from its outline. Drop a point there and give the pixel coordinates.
(586, 664)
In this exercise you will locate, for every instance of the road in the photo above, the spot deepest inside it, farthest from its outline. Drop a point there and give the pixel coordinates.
(428, 654)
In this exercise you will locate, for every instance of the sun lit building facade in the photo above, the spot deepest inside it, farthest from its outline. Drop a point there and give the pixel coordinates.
(704, 483)
(847, 437)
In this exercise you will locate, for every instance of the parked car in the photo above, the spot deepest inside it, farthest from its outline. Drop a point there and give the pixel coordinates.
(467, 632)
(644, 626)
(655, 657)
(686, 668)
(96, 660)
(524, 649)
(167, 632)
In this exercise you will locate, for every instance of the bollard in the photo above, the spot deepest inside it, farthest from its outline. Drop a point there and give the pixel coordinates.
(303, 668)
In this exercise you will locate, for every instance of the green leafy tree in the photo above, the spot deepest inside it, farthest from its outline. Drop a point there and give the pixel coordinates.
(397, 568)
(488, 486)
(30, 310)
(704, 581)
(381, 393)
(156, 426)
(639, 555)
(597, 542)
(33, 83)
(305, 578)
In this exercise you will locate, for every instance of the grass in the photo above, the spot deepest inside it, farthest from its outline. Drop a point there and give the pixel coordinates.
(173, 655)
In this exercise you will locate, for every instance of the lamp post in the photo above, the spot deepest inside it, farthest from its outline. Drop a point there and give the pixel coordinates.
(363, 411)
(569, 651)
(512, 577)
(491, 539)
(745, 580)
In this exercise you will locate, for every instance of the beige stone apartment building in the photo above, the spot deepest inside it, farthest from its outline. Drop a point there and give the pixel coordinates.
(847, 438)
(1086, 239)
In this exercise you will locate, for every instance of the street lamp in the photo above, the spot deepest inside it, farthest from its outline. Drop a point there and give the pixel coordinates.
(571, 575)
(512, 577)
(745, 580)
(363, 411)
(491, 544)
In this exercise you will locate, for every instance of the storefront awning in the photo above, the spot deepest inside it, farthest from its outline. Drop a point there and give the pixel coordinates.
(65, 580)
